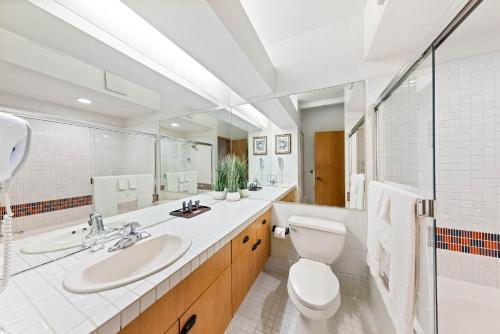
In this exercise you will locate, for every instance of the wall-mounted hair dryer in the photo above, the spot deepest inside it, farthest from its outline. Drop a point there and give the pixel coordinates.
(15, 138)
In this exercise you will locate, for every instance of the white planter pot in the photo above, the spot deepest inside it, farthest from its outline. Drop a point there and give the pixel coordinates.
(233, 197)
(219, 195)
(244, 193)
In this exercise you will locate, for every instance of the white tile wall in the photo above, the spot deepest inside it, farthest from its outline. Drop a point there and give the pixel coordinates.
(468, 159)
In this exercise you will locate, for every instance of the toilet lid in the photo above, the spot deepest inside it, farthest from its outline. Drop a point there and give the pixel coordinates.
(314, 283)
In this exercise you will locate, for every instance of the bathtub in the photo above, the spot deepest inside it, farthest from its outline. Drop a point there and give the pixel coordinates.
(467, 308)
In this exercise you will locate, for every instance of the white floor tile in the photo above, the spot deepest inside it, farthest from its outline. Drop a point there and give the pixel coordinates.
(267, 309)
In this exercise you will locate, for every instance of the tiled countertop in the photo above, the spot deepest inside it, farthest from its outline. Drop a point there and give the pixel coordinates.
(36, 301)
(271, 193)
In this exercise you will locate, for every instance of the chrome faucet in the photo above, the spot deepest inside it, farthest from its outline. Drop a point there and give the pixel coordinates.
(130, 236)
(96, 225)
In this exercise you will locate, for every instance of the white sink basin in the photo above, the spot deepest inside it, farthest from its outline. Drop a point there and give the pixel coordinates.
(59, 240)
(54, 241)
(128, 265)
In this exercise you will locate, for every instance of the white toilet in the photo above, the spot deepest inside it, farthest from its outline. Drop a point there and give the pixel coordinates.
(312, 286)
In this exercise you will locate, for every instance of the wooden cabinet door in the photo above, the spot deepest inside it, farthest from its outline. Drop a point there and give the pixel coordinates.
(243, 271)
(174, 329)
(263, 227)
(211, 313)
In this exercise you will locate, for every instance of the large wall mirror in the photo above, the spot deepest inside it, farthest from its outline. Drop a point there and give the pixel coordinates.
(324, 155)
(111, 135)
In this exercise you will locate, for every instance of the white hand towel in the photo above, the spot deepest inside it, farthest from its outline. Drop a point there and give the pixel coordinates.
(375, 191)
(132, 182)
(353, 195)
(145, 190)
(122, 183)
(385, 206)
(403, 258)
(360, 192)
(104, 195)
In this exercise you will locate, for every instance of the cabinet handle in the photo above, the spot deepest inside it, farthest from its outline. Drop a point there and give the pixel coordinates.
(245, 239)
(255, 245)
(264, 222)
(189, 324)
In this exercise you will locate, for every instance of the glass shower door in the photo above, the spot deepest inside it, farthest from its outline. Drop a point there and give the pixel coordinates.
(405, 157)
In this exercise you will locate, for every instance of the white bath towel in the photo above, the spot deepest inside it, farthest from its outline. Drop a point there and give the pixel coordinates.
(104, 195)
(145, 190)
(172, 182)
(353, 191)
(373, 244)
(360, 191)
(122, 183)
(385, 206)
(132, 182)
(191, 182)
(403, 258)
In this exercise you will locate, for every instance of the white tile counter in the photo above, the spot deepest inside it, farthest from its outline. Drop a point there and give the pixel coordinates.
(149, 216)
(36, 302)
(271, 193)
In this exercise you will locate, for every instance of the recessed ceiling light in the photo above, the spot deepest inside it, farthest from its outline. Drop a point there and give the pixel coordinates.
(174, 124)
(83, 100)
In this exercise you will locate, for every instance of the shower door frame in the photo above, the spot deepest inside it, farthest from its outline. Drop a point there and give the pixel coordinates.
(393, 85)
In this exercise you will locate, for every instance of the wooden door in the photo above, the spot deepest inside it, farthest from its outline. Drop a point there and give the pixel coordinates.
(330, 168)
(211, 313)
(243, 273)
(239, 147)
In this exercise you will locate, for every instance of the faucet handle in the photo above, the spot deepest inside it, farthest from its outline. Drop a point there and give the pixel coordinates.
(131, 228)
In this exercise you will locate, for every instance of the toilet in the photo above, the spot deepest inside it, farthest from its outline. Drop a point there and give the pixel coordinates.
(312, 286)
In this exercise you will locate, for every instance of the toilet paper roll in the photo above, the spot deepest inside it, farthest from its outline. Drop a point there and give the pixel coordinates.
(280, 232)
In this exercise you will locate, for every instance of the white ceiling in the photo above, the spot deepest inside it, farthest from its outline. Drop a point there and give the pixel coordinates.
(277, 20)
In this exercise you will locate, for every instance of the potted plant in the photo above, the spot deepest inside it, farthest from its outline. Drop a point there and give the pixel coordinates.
(242, 178)
(231, 164)
(220, 183)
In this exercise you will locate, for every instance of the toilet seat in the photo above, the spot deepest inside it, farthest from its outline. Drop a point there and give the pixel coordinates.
(314, 285)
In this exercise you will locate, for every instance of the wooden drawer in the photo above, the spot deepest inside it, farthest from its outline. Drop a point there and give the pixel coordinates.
(199, 280)
(245, 239)
(174, 329)
(211, 313)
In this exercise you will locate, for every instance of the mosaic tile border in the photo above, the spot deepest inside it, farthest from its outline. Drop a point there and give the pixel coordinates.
(29, 209)
(471, 242)
(204, 186)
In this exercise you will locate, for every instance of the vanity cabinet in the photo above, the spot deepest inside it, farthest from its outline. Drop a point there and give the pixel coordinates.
(249, 260)
(290, 197)
(211, 313)
(205, 301)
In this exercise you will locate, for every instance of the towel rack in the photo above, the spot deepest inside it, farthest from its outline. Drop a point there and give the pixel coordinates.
(425, 208)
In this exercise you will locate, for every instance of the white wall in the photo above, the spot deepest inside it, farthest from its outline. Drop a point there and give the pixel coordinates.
(328, 118)
(291, 163)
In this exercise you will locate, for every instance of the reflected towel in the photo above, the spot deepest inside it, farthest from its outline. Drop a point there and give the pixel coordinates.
(104, 195)
(122, 183)
(132, 182)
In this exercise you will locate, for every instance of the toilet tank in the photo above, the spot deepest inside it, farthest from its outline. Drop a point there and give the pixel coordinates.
(317, 239)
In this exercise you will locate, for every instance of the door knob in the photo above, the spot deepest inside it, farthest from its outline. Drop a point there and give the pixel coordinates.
(318, 178)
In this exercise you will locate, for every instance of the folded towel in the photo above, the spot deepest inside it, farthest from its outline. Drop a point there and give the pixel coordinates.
(104, 195)
(122, 183)
(403, 258)
(385, 206)
(132, 182)
(373, 244)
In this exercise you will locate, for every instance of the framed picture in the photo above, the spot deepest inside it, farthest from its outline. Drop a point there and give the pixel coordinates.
(283, 144)
(260, 145)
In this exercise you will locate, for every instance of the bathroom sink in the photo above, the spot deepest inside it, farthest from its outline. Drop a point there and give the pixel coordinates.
(63, 239)
(55, 241)
(128, 265)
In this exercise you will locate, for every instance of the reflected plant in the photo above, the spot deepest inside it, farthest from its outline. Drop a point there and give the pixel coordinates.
(230, 165)
(220, 180)
(242, 173)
